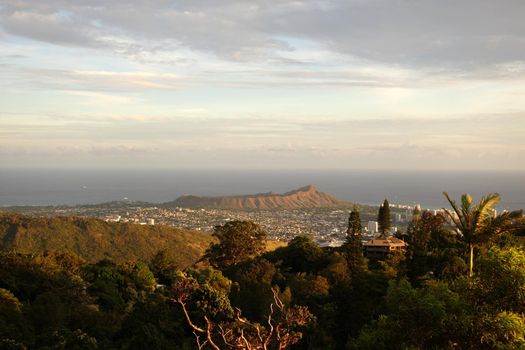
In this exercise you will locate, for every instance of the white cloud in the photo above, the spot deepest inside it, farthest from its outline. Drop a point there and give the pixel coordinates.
(423, 33)
(419, 82)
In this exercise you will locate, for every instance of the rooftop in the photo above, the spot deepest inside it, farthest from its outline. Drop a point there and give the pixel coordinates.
(386, 242)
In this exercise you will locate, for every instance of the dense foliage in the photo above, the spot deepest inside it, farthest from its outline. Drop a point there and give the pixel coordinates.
(94, 239)
(300, 296)
(384, 219)
(238, 241)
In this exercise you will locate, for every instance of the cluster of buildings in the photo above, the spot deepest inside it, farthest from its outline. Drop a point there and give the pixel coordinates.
(327, 226)
(119, 218)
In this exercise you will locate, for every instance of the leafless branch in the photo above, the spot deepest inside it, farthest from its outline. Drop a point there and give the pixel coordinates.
(240, 333)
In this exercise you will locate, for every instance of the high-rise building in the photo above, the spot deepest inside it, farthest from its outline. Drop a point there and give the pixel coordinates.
(373, 227)
(398, 217)
(409, 215)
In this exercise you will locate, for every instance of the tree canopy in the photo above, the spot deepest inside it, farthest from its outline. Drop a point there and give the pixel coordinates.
(384, 220)
(238, 241)
(353, 247)
(477, 223)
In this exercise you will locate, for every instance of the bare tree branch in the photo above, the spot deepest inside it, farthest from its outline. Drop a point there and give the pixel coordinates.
(240, 333)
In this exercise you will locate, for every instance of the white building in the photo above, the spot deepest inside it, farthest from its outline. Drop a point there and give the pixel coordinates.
(373, 227)
(409, 215)
(398, 217)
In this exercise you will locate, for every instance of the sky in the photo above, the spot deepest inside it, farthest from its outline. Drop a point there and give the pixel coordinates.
(350, 84)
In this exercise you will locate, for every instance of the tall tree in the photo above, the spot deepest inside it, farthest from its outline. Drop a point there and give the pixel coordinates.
(238, 241)
(380, 215)
(353, 247)
(477, 223)
(424, 236)
(354, 224)
(383, 218)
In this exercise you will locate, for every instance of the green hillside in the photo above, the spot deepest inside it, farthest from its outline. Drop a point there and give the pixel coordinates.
(95, 239)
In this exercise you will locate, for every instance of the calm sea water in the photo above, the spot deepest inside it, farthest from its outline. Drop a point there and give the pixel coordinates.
(53, 187)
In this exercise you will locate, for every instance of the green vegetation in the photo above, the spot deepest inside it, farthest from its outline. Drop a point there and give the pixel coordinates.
(476, 222)
(384, 219)
(238, 241)
(94, 239)
(353, 247)
(298, 296)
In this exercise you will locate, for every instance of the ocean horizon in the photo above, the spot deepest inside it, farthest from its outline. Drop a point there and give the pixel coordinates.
(20, 187)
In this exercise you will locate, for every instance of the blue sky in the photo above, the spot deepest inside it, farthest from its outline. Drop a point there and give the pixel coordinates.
(376, 84)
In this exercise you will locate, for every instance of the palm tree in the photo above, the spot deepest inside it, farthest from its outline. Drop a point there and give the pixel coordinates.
(477, 223)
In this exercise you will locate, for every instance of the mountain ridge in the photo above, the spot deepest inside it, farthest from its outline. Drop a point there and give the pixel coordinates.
(304, 197)
(94, 239)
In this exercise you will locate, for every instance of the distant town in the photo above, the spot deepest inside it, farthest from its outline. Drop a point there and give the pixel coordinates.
(326, 225)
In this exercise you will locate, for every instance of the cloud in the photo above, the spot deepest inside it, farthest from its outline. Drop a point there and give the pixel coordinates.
(422, 33)
(134, 81)
(448, 34)
(322, 80)
(94, 80)
(55, 28)
(273, 131)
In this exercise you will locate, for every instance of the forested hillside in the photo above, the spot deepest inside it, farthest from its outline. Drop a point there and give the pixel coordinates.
(458, 285)
(94, 239)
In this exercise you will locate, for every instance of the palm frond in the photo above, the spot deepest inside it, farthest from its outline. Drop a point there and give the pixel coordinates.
(456, 219)
(483, 211)
(487, 203)
(466, 201)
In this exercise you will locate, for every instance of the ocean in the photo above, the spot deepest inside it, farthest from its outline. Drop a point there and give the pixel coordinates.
(80, 186)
